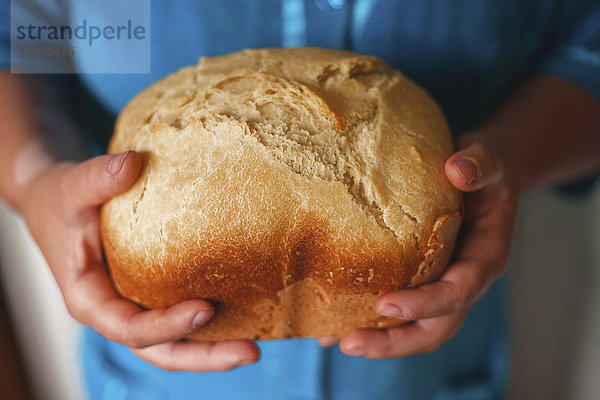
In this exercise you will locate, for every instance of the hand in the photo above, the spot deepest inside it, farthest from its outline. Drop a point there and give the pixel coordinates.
(437, 310)
(61, 207)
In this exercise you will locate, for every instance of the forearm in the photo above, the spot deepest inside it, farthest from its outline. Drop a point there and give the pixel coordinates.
(37, 130)
(22, 155)
(546, 132)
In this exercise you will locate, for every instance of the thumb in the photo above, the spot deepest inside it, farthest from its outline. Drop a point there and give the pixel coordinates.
(472, 168)
(95, 181)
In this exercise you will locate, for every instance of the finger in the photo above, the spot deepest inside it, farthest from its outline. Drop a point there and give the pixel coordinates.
(200, 356)
(95, 181)
(328, 341)
(457, 289)
(472, 168)
(414, 338)
(93, 301)
(480, 258)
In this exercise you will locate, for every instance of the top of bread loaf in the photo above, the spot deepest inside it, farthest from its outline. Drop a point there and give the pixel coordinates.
(254, 149)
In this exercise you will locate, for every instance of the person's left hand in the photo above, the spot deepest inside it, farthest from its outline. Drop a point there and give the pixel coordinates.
(437, 310)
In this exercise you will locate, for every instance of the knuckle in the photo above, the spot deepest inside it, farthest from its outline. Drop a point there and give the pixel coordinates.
(432, 346)
(482, 153)
(75, 310)
(459, 298)
(415, 311)
(132, 338)
(112, 331)
(456, 306)
(379, 353)
(386, 348)
(435, 343)
(472, 290)
(500, 268)
(121, 332)
(468, 297)
(78, 309)
(115, 335)
(381, 349)
(168, 366)
(155, 358)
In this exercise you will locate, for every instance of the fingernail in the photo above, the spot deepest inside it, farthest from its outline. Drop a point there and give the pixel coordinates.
(466, 169)
(116, 163)
(201, 318)
(390, 310)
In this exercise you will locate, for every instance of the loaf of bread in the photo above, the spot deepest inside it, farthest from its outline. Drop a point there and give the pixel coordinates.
(290, 187)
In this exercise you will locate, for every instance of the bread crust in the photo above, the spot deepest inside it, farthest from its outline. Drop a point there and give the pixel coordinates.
(290, 187)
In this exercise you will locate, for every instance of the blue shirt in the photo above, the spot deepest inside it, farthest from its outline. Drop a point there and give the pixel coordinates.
(467, 54)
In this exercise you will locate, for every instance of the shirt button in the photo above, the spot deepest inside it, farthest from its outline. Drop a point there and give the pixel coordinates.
(115, 389)
(328, 5)
(336, 4)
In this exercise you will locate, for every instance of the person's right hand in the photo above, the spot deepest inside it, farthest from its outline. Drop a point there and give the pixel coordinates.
(61, 207)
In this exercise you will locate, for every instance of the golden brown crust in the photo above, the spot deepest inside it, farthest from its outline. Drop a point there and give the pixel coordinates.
(292, 188)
